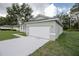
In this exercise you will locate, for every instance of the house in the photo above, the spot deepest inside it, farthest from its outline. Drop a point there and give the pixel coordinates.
(74, 14)
(44, 27)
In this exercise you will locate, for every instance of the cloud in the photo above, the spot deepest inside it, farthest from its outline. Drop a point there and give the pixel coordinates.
(3, 15)
(60, 10)
(38, 8)
(3, 6)
(51, 10)
(35, 13)
(68, 12)
(47, 9)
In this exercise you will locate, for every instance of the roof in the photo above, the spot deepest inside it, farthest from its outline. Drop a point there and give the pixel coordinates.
(75, 13)
(40, 17)
(43, 18)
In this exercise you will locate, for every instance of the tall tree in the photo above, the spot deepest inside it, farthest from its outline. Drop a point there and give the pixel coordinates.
(20, 12)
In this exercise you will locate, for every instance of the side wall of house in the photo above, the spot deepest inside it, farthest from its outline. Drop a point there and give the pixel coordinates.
(57, 29)
(52, 32)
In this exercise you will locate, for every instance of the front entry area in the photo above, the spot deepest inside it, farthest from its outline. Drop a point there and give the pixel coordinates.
(40, 32)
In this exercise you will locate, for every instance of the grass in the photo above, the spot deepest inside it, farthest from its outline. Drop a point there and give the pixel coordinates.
(5, 35)
(66, 45)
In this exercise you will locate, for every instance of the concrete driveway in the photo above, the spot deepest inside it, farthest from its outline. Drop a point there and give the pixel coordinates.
(21, 46)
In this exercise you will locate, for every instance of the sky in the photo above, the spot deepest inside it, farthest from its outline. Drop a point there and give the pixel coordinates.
(48, 9)
(65, 7)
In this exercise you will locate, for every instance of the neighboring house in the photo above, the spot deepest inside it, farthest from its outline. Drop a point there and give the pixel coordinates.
(74, 16)
(43, 27)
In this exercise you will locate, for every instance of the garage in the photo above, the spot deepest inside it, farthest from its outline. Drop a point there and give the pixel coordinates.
(44, 27)
(41, 32)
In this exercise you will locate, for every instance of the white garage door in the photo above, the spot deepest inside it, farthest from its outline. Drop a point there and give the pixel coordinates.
(42, 32)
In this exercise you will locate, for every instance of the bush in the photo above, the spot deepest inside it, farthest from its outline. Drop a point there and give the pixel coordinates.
(8, 30)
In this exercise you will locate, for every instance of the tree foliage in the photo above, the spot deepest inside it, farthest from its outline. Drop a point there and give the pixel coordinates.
(65, 19)
(22, 13)
(2, 21)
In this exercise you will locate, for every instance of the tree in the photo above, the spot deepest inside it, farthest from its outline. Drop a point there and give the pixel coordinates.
(65, 19)
(2, 21)
(22, 13)
(11, 21)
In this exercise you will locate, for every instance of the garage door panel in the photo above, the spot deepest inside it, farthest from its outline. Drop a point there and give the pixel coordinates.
(42, 32)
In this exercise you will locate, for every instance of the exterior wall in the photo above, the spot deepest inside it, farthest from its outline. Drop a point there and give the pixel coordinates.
(58, 30)
(42, 24)
(55, 28)
(27, 30)
(74, 16)
(22, 28)
(53, 32)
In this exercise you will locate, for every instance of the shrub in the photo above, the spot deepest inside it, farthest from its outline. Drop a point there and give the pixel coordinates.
(8, 30)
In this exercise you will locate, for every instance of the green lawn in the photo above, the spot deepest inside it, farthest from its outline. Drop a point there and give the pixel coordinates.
(5, 35)
(67, 44)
